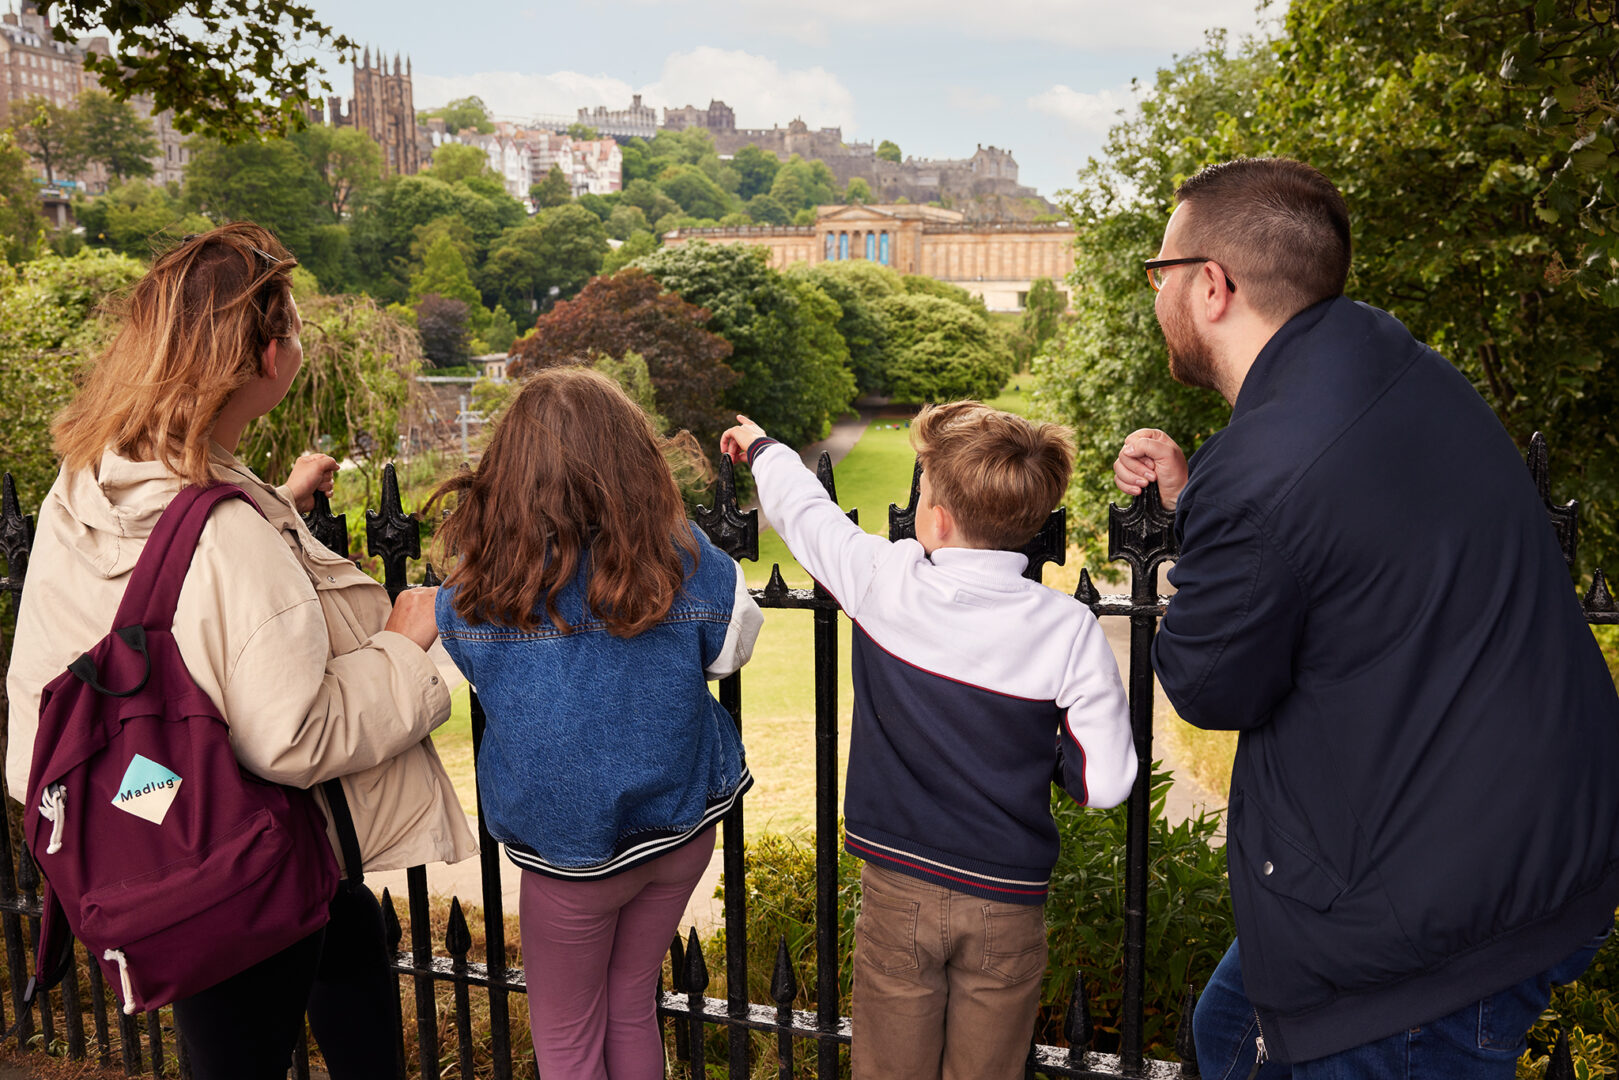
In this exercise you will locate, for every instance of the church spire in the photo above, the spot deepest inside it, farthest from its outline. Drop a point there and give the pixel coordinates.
(396, 63)
(367, 61)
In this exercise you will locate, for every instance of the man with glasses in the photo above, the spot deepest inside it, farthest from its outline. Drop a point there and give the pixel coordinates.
(1423, 831)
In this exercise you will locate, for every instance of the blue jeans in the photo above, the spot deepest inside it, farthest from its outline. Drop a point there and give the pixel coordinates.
(1479, 1042)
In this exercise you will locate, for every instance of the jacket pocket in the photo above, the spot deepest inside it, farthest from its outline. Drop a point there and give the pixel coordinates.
(1278, 862)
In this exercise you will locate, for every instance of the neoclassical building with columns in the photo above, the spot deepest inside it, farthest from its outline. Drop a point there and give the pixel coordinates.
(995, 260)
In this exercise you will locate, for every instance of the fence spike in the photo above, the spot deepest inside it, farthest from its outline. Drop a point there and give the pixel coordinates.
(1143, 535)
(391, 534)
(329, 528)
(1598, 599)
(696, 966)
(1050, 544)
(733, 531)
(1565, 518)
(775, 588)
(457, 938)
(1085, 592)
(1076, 1023)
(1185, 1041)
(677, 965)
(27, 872)
(783, 984)
(902, 523)
(1561, 1064)
(430, 577)
(392, 932)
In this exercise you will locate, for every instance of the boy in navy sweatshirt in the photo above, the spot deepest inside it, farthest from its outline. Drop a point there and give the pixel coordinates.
(974, 687)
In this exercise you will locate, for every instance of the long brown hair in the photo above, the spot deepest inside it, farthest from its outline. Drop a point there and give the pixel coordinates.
(574, 470)
(194, 331)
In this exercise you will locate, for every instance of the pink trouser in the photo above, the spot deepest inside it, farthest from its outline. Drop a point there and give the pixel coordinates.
(592, 953)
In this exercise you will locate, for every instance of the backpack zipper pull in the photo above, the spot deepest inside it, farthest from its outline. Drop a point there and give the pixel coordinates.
(123, 977)
(53, 808)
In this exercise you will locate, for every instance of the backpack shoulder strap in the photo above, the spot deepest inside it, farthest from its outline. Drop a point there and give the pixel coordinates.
(154, 584)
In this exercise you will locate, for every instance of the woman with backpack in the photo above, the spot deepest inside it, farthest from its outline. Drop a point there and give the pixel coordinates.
(318, 677)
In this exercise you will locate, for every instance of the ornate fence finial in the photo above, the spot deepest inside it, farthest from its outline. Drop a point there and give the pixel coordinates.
(1076, 1022)
(392, 535)
(775, 588)
(329, 528)
(1565, 518)
(783, 984)
(1185, 1042)
(1598, 600)
(1050, 544)
(696, 966)
(902, 523)
(823, 473)
(733, 531)
(1142, 535)
(457, 936)
(1085, 592)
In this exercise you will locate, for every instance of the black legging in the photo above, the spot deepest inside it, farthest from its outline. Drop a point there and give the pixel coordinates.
(246, 1026)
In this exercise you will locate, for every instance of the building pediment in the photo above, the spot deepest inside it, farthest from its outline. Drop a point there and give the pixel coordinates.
(853, 214)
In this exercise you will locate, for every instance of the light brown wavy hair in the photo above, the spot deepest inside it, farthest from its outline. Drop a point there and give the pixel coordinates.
(574, 471)
(193, 332)
(999, 475)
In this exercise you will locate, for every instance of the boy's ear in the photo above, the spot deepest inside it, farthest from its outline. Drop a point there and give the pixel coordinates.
(944, 523)
(267, 365)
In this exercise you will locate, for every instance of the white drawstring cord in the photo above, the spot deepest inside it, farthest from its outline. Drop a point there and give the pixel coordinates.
(53, 808)
(123, 977)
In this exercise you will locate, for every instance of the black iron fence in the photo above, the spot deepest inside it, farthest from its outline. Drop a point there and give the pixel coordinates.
(1141, 536)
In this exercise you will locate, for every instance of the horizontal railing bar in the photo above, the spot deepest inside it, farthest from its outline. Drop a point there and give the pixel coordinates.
(473, 974)
(759, 1017)
(1053, 1060)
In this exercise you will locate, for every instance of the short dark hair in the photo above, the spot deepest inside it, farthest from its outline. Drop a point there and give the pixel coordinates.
(1277, 226)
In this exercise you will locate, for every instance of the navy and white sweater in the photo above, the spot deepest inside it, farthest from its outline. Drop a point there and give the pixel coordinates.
(973, 688)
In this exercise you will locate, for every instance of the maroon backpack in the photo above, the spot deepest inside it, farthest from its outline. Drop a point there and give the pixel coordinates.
(175, 866)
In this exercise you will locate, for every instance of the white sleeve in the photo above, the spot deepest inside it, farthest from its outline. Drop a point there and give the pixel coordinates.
(746, 620)
(1097, 747)
(835, 551)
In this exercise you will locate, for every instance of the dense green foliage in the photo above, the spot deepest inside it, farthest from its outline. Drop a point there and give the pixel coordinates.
(462, 114)
(21, 223)
(50, 325)
(137, 218)
(1402, 105)
(783, 333)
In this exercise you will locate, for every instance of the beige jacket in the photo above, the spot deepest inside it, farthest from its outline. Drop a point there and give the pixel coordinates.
(283, 635)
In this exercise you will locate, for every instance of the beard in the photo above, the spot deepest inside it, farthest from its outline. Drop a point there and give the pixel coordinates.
(1191, 360)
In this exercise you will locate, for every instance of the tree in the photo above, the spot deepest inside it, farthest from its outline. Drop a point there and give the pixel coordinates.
(113, 134)
(858, 191)
(444, 329)
(583, 133)
(554, 190)
(859, 287)
(639, 244)
(561, 249)
(21, 223)
(939, 351)
(444, 274)
(756, 169)
(695, 193)
(137, 218)
(765, 210)
(229, 69)
(783, 334)
(645, 195)
(626, 221)
(457, 161)
(804, 185)
(1043, 310)
(630, 313)
(346, 158)
(50, 134)
(269, 182)
(462, 114)
(49, 326)
(889, 151)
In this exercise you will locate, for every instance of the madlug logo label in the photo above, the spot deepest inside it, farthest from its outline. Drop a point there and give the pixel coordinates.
(148, 790)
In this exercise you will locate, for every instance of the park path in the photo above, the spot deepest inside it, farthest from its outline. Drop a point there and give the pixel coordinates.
(1186, 798)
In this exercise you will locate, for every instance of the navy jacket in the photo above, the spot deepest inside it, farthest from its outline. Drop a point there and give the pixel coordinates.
(1425, 806)
(973, 686)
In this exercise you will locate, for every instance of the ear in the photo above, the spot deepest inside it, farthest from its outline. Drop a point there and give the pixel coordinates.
(944, 523)
(267, 366)
(1216, 297)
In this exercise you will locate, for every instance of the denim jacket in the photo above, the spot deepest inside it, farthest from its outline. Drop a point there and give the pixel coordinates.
(602, 752)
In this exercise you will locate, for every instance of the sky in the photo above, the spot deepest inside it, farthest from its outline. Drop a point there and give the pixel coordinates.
(1043, 78)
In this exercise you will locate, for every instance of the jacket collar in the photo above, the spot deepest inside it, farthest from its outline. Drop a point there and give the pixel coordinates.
(982, 563)
(1270, 363)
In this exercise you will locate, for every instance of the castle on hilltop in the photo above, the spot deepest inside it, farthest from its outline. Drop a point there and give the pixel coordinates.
(383, 107)
(990, 172)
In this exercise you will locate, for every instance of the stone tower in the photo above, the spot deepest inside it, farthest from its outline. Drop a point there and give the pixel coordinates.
(384, 108)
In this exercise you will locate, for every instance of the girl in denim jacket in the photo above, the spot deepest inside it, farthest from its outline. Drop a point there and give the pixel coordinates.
(589, 613)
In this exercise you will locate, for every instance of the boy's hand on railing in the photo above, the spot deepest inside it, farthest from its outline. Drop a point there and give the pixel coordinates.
(310, 473)
(736, 440)
(1149, 455)
(413, 616)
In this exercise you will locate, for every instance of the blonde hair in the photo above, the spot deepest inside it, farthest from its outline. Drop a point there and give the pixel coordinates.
(999, 475)
(193, 332)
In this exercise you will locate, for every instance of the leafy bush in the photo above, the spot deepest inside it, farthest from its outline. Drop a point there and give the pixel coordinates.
(1588, 1010)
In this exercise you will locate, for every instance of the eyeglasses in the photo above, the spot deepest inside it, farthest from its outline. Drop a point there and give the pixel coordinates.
(1156, 268)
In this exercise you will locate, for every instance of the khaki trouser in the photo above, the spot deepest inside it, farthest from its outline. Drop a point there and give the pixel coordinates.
(946, 985)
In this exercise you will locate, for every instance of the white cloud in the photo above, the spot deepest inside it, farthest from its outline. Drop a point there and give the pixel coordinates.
(968, 99)
(1088, 113)
(1163, 25)
(760, 89)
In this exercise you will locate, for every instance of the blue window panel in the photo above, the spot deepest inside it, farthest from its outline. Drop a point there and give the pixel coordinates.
(831, 247)
(871, 246)
(882, 250)
(843, 245)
